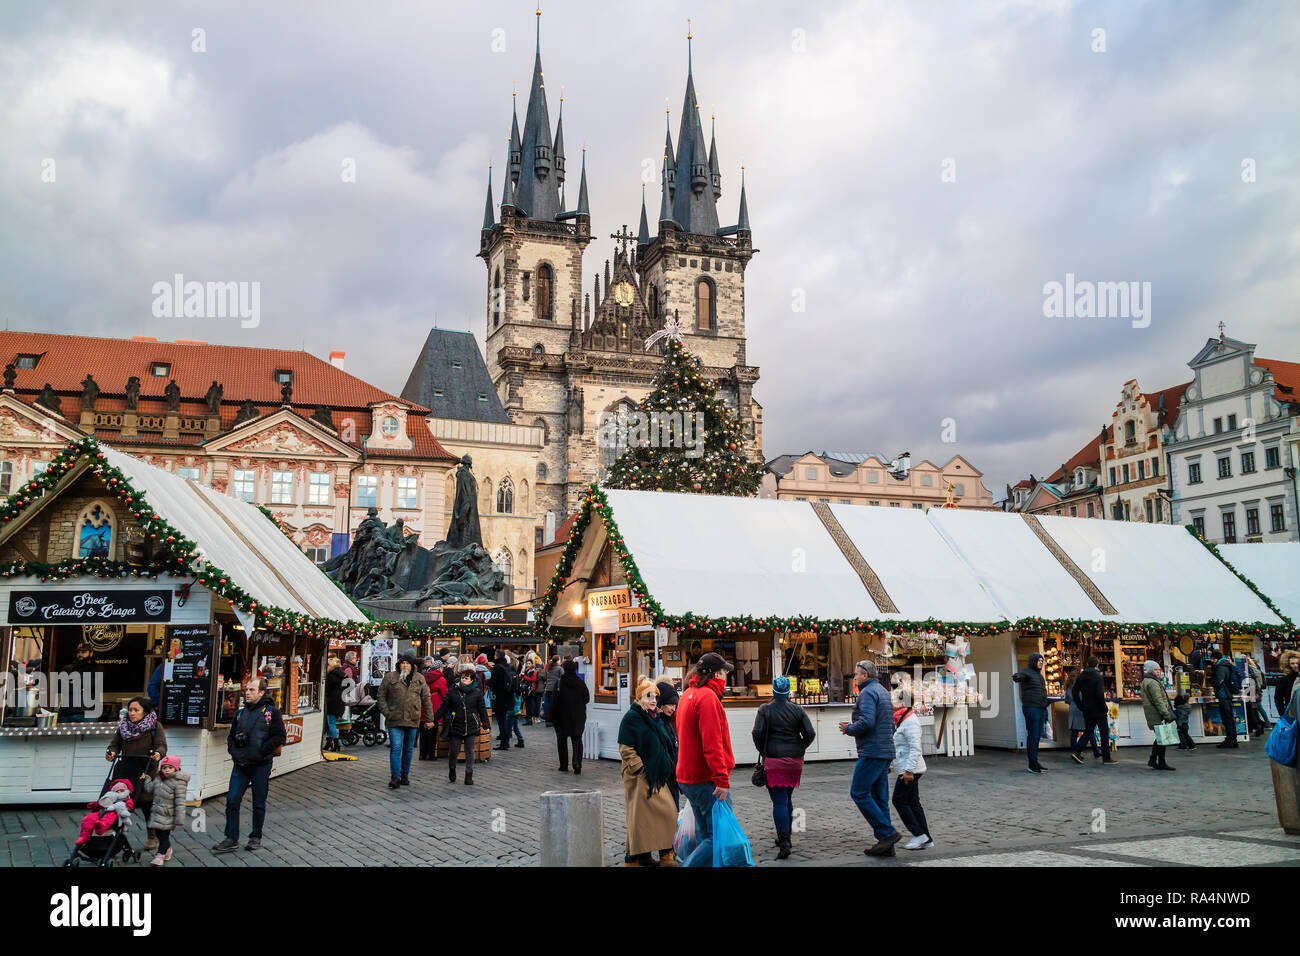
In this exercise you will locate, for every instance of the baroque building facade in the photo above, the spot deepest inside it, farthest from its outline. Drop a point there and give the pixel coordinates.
(851, 478)
(559, 357)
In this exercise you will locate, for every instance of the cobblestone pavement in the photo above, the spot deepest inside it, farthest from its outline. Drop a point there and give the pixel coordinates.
(1217, 809)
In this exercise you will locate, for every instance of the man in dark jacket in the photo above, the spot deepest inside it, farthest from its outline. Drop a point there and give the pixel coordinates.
(503, 696)
(1090, 696)
(1224, 686)
(872, 726)
(1033, 704)
(569, 715)
(256, 733)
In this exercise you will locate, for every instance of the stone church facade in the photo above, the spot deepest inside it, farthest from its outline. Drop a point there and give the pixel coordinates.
(560, 357)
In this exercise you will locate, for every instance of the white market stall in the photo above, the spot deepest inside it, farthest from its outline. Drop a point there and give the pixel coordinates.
(806, 589)
(1275, 569)
(149, 569)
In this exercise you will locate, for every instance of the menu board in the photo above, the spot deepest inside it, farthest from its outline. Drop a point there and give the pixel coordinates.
(188, 675)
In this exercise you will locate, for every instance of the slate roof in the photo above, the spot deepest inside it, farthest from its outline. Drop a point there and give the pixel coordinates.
(451, 362)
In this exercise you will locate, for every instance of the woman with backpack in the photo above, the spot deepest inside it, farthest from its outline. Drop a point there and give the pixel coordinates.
(463, 715)
(782, 733)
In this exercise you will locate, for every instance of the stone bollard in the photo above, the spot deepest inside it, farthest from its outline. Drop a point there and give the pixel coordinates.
(573, 829)
(1286, 789)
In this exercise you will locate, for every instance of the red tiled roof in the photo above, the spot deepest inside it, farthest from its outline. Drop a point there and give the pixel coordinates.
(1171, 396)
(243, 372)
(1286, 378)
(563, 531)
(1087, 455)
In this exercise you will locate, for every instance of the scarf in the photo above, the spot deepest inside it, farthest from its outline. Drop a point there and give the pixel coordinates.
(900, 713)
(717, 683)
(130, 731)
(646, 735)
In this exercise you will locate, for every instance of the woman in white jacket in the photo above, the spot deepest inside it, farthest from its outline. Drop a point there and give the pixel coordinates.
(909, 765)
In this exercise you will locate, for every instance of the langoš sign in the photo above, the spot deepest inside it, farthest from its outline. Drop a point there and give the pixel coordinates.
(108, 606)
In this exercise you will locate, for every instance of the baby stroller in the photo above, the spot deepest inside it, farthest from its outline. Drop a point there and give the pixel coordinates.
(364, 726)
(104, 827)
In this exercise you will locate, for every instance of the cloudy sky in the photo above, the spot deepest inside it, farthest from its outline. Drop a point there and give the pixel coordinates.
(916, 173)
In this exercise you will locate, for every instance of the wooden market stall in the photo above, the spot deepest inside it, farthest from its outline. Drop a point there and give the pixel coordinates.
(950, 601)
(1275, 569)
(149, 571)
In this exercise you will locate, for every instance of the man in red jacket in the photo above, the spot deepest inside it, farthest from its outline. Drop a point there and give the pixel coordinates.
(437, 694)
(704, 760)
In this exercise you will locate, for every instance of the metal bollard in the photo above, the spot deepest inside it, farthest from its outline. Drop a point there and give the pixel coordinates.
(573, 828)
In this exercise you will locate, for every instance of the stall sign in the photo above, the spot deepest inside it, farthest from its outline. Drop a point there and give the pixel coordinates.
(1242, 644)
(91, 606)
(633, 617)
(187, 675)
(293, 730)
(609, 600)
(469, 615)
(673, 655)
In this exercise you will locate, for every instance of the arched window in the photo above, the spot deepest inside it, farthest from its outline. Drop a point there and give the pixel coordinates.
(546, 432)
(506, 497)
(545, 298)
(541, 471)
(1129, 431)
(505, 564)
(705, 311)
(523, 496)
(94, 532)
(539, 352)
(497, 296)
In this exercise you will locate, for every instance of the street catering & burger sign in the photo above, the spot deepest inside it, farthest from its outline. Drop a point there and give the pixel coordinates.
(106, 606)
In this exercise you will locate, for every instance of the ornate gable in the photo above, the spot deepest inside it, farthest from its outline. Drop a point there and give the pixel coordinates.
(284, 438)
(622, 321)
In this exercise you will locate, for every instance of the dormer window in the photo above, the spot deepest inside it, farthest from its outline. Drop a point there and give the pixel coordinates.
(455, 364)
(283, 376)
(482, 396)
(27, 361)
(161, 369)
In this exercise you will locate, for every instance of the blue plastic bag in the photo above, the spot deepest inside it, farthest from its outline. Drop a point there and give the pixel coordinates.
(1281, 743)
(730, 845)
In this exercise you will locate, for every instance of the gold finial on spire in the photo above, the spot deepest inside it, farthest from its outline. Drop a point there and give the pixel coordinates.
(688, 28)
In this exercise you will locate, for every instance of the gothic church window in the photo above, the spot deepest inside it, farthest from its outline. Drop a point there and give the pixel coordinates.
(705, 311)
(504, 563)
(541, 471)
(95, 532)
(545, 284)
(506, 497)
(497, 296)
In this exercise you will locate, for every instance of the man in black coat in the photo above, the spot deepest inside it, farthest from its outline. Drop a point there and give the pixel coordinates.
(256, 733)
(1033, 704)
(569, 715)
(503, 696)
(1090, 696)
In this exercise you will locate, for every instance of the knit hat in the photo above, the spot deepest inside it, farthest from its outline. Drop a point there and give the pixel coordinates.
(781, 687)
(1150, 667)
(481, 659)
(667, 693)
(173, 762)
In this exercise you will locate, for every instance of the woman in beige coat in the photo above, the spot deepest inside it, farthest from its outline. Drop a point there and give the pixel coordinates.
(646, 752)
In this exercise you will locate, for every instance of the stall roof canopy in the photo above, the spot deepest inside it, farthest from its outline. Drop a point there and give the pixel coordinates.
(1275, 569)
(718, 557)
(238, 538)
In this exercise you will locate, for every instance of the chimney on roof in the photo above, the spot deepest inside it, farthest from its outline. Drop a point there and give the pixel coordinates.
(143, 338)
(336, 359)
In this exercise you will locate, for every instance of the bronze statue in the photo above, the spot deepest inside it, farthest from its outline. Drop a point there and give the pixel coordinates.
(89, 392)
(213, 398)
(464, 528)
(133, 393)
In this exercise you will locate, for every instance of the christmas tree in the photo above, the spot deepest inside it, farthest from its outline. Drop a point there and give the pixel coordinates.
(681, 438)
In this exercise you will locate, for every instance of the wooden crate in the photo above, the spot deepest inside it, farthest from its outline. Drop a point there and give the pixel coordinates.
(483, 747)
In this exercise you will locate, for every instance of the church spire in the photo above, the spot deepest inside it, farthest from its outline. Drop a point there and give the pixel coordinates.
(694, 206)
(512, 157)
(665, 205)
(643, 233)
(559, 144)
(583, 209)
(715, 174)
(742, 223)
(488, 220)
(538, 194)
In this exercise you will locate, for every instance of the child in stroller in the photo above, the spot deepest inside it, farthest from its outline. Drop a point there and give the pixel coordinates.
(363, 723)
(103, 839)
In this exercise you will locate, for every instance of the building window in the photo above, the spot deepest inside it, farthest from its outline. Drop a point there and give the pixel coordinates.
(1155, 467)
(281, 487)
(1124, 471)
(367, 491)
(1252, 521)
(810, 474)
(917, 505)
(1142, 470)
(27, 361)
(895, 504)
(407, 495)
(537, 538)
(1229, 527)
(959, 489)
(845, 501)
(496, 299)
(1092, 512)
(1112, 474)
(541, 471)
(1194, 473)
(455, 363)
(705, 306)
(545, 304)
(1272, 458)
(187, 472)
(1074, 511)
(482, 396)
(875, 503)
(1117, 512)
(1130, 432)
(1199, 524)
(824, 501)
(1160, 510)
(1232, 423)
(927, 480)
(1218, 425)
(318, 556)
(160, 369)
(872, 477)
(243, 484)
(6, 477)
(506, 497)
(1277, 522)
(283, 376)
(1247, 462)
(95, 532)
(38, 467)
(1225, 467)
(318, 488)
(1149, 510)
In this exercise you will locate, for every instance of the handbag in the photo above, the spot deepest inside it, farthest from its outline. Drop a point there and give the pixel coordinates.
(1281, 743)
(1166, 733)
(759, 778)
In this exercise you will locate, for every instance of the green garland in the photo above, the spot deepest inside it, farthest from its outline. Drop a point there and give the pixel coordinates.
(1214, 550)
(595, 504)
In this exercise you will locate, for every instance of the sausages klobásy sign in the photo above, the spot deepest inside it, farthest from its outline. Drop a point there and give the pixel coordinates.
(107, 606)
